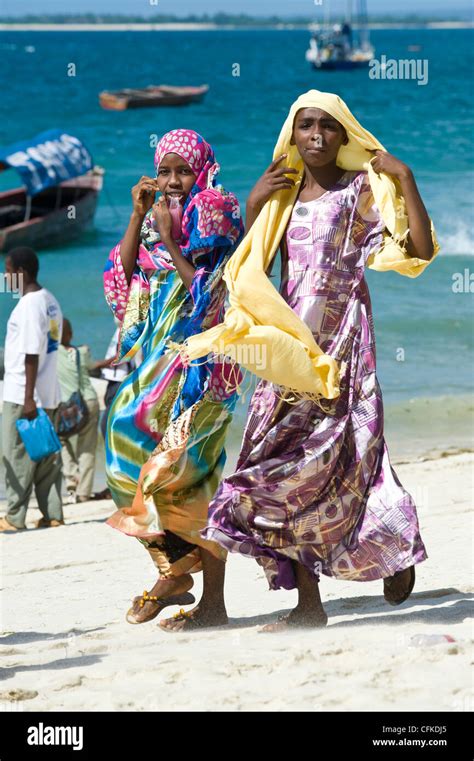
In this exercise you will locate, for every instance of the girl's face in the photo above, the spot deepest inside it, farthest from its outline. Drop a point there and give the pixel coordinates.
(175, 178)
(318, 136)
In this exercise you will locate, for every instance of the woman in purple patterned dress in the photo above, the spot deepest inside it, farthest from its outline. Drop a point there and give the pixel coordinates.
(314, 491)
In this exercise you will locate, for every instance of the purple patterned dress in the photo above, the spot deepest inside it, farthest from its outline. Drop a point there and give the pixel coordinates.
(317, 485)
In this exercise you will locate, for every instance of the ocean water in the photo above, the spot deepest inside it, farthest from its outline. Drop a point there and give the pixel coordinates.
(424, 328)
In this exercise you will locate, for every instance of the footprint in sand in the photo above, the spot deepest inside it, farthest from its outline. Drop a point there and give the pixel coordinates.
(18, 694)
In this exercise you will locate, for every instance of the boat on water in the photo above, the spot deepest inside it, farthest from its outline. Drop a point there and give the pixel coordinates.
(153, 95)
(59, 195)
(341, 46)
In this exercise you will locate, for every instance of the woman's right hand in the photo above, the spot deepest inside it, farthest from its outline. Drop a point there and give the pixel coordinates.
(143, 195)
(273, 179)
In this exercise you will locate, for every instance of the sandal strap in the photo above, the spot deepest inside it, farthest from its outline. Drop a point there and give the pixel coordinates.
(147, 598)
(183, 614)
(188, 617)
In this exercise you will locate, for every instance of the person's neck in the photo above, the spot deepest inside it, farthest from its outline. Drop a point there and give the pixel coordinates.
(31, 287)
(319, 177)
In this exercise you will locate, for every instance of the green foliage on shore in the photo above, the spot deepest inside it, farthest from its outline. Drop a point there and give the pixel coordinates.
(219, 19)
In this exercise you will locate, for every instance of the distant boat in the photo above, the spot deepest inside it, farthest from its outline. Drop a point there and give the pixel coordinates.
(59, 194)
(336, 47)
(153, 95)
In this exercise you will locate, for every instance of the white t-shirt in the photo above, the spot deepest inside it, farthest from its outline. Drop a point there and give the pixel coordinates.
(35, 327)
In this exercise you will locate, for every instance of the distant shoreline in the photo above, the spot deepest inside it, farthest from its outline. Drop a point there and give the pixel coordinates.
(196, 27)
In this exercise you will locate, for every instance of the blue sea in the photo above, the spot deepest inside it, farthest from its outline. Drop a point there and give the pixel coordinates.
(428, 126)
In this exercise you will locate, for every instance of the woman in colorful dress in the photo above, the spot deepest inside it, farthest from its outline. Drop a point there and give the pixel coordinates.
(314, 491)
(167, 424)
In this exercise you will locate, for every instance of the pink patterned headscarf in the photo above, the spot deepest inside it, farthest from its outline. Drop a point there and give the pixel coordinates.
(194, 150)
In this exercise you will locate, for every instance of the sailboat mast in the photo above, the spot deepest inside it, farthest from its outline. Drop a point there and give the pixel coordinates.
(327, 14)
(349, 11)
(363, 23)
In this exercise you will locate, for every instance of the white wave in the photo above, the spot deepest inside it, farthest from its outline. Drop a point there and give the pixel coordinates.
(456, 241)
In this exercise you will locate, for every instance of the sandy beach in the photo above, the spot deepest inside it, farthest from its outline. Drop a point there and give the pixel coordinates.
(67, 646)
(65, 591)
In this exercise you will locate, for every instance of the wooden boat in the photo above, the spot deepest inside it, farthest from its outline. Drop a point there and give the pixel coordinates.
(48, 210)
(153, 95)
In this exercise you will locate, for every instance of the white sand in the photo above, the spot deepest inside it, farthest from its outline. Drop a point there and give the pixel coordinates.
(66, 645)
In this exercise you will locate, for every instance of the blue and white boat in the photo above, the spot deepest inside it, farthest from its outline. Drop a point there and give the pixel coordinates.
(59, 195)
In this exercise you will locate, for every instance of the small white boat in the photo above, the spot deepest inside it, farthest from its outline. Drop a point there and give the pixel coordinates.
(338, 46)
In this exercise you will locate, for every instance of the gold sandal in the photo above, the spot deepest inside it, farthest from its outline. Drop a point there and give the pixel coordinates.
(160, 602)
(191, 622)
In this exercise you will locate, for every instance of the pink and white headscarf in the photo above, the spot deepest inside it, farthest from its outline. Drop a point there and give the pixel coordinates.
(195, 151)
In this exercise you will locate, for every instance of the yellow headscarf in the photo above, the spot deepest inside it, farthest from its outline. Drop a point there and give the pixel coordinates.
(258, 316)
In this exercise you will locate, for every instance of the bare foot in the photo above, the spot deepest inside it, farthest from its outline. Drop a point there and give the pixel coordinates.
(7, 526)
(314, 618)
(45, 523)
(200, 617)
(398, 588)
(144, 609)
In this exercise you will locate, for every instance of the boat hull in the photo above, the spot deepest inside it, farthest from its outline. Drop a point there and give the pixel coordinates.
(339, 65)
(147, 98)
(57, 226)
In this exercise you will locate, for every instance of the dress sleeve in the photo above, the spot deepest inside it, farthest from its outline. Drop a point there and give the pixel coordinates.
(116, 288)
(119, 294)
(129, 302)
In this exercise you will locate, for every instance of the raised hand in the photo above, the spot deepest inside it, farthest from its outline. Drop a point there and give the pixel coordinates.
(143, 195)
(389, 164)
(273, 179)
(163, 219)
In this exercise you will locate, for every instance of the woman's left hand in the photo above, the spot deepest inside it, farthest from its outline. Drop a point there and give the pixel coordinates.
(162, 218)
(385, 162)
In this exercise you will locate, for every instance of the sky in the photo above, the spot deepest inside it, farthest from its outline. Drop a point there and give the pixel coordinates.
(265, 7)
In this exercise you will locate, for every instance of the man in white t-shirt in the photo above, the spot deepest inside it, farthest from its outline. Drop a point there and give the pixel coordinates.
(30, 381)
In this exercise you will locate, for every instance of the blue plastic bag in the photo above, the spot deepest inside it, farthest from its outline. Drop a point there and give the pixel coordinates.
(38, 436)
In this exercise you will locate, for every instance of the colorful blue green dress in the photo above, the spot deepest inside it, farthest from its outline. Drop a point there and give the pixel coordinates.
(167, 424)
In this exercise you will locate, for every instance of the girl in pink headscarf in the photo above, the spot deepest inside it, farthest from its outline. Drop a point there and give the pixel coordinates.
(167, 424)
